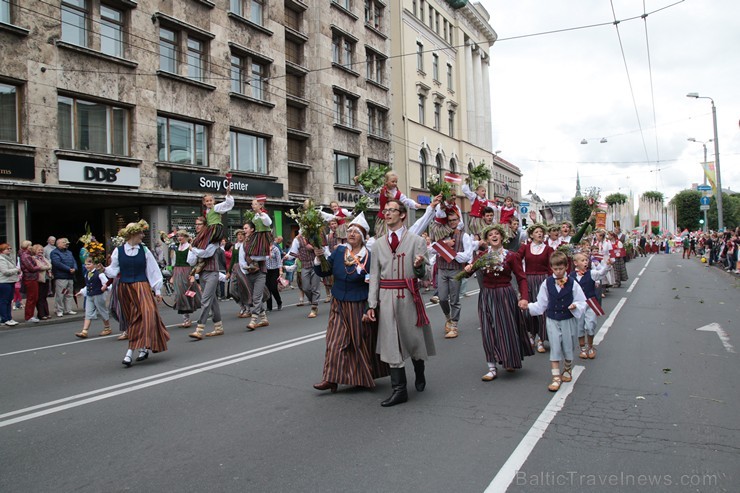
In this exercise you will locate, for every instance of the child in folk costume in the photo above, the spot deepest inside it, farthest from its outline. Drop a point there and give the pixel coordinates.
(341, 215)
(506, 211)
(604, 245)
(214, 230)
(438, 228)
(553, 237)
(259, 243)
(587, 278)
(478, 204)
(561, 298)
(388, 191)
(94, 294)
(566, 231)
(536, 258)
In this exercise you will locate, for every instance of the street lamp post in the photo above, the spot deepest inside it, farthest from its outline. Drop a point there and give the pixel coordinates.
(704, 145)
(720, 215)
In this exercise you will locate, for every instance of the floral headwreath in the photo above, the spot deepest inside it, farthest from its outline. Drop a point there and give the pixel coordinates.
(532, 228)
(134, 228)
(497, 227)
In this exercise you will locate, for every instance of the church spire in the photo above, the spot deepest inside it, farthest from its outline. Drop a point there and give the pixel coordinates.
(578, 184)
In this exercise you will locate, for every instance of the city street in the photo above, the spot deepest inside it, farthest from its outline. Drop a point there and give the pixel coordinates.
(655, 411)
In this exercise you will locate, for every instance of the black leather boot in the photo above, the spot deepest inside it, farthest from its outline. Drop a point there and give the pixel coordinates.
(420, 382)
(398, 382)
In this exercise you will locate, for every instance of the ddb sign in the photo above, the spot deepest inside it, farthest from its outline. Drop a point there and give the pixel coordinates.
(98, 174)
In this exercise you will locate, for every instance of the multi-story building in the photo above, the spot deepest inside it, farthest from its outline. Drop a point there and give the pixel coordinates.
(441, 90)
(118, 109)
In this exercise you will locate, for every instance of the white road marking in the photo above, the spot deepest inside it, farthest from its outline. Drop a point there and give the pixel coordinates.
(723, 337)
(632, 286)
(153, 380)
(648, 261)
(516, 460)
(641, 271)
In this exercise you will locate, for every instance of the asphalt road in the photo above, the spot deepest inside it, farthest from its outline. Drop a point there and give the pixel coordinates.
(238, 412)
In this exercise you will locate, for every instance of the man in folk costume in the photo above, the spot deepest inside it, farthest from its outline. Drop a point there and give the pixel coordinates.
(310, 282)
(205, 259)
(398, 262)
(460, 245)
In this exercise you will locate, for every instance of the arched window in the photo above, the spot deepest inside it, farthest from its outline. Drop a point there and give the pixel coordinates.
(439, 165)
(453, 166)
(423, 168)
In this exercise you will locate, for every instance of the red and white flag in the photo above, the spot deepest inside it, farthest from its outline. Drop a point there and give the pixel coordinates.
(593, 304)
(453, 178)
(444, 250)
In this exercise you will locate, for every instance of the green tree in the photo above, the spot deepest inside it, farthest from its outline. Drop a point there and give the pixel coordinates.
(579, 210)
(616, 198)
(657, 196)
(687, 209)
(729, 208)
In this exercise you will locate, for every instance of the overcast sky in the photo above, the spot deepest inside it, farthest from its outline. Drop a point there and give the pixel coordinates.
(549, 92)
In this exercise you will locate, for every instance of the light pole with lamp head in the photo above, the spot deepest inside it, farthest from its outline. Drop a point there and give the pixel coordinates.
(720, 215)
(704, 145)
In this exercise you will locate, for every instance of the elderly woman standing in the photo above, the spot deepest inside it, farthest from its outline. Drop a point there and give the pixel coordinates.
(140, 274)
(30, 280)
(350, 342)
(187, 295)
(8, 277)
(42, 305)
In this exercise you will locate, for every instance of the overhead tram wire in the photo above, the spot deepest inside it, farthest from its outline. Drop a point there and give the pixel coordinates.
(652, 90)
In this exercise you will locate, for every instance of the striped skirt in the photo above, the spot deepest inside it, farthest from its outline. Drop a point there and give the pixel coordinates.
(476, 225)
(620, 270)
(503, 329)
(185, 304)
(438, 231)
(116, 312)
(213, 233)
(242, 295)
(145, 327)
(350, 347)
(259, 244)
(535, 325)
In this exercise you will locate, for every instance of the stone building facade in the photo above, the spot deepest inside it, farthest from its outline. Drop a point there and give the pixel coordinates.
(117, 110)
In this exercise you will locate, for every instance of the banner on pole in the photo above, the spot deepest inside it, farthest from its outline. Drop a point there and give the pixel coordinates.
(711, 173)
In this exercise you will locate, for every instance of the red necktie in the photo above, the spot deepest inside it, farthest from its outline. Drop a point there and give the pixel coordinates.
(394, 242)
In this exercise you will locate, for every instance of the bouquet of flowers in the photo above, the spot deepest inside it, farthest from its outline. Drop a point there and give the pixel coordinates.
(592, 197)
(491, 262)
(311, 223)
(248, 216)
(437, 185)
(478, 174)
(117, 241)
(166, 239)
(373, 178)
(568, 249)
(95, 249)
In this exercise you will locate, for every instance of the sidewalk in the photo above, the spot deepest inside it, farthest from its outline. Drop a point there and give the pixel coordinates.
(19, 315)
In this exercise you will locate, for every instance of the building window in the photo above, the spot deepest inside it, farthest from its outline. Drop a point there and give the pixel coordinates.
(414, 8)
(453, 166)
(8, 113)
(419, 56)
(196, 58)
(75, 19)
(439, 162)
(344, 109)
(94, 127)
(342, 50)
(296, 150)
(437, 116)
(254, 10)
(422, 101)
(421, 11)
(435, 66)
(111, 31)
(423, 169)
(182, 142)
(373, 13)
(436, 22)
(444, 29)
(167, 50)
(345, 168)
(431, 17)
(295, 117)
(451, 123)
(248, 153)
(376, 118)
(248, 76)
(449, 76)
(345, 4)
(5, 11)
(375, 64)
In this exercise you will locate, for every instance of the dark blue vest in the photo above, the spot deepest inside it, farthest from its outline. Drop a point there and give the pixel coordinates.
(93, 284)
(133, 269)
(557, 307)
(588, 285)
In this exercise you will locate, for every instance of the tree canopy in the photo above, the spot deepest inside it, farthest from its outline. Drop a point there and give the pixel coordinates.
(687, 209)
(616, 198)
(656, 196)
(579, 210)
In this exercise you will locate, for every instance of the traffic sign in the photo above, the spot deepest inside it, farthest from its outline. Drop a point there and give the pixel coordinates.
(704, 207)
(523, 210)
(523, 204)
(704, 200)
(704, 188)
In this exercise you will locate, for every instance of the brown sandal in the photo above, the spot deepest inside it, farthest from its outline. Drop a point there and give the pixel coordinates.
(555, 384)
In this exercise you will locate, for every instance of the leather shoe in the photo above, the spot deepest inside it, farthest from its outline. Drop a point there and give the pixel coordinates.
(127, 361)
(324, 385)
(420, 383)
(142, 355)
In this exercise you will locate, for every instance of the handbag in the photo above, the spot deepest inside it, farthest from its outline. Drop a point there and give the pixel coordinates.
(282, 283)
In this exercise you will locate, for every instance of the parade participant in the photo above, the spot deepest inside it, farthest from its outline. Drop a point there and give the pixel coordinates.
(42, 305)
(516, 237)
(478, 205)
(562, 299)
(341, 216)
(274, 264)
(387, 192)
(489, 215)
(302, 250)
(140, 274)
(63, 268)
(239, 288)
(9, 275)
(439, 229)
(448, 287)
(30, 276)
(566, 231)
(259, 243)
(536, 258)
(255, 270)
(94, 295)
(397, 263)
(187, 295)
(213, 231)
(604, 246)
(205, 260)
(553, 239)
(503, 330)
(350, 340)
(618, 254)
(332, 242)
(507, 211)
(587, 274)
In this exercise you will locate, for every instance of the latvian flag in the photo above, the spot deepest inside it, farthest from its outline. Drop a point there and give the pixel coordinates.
(593, 304)
(444, 250)
(453, 178)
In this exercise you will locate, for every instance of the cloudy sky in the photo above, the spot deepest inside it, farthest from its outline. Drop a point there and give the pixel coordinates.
(549, 92)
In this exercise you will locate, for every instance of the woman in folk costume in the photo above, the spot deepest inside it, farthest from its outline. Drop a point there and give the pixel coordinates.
(341, 215)
(478, 202)
(259, 243)
(214, 230)
(536, 257)
(350, 342)
(140, 275)
(187, 295)
(387, 192)
(505, 339)
(619, 267)
(566, 231)
(553, 237)
(438, 228)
